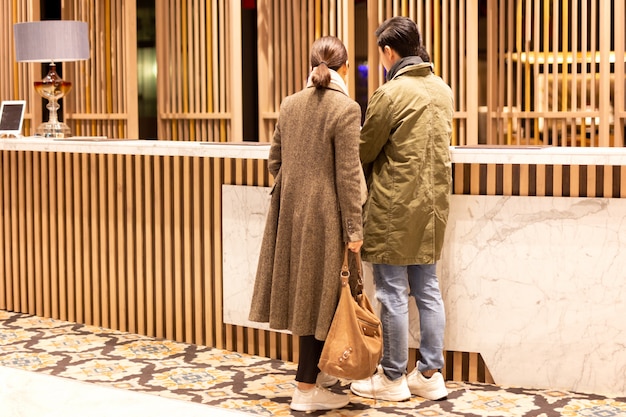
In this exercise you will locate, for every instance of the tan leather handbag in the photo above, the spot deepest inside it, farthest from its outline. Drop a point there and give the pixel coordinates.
(354, 343)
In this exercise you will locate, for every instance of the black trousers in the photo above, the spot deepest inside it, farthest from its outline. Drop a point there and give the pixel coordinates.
(310, 352)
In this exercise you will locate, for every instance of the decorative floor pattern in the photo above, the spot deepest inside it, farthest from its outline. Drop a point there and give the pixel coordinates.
(251, 384)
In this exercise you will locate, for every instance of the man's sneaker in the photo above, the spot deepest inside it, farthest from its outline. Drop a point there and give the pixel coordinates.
(433, 388)
(317, 398)
(379, 387)
(325, 380)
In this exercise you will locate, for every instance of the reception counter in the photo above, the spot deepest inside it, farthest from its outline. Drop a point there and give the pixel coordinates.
(161, 238)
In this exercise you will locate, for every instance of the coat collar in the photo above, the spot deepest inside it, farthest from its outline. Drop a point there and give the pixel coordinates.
(336, 83)
(424, 68)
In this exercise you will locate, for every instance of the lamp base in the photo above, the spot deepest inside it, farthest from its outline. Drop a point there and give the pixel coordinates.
(57, 130)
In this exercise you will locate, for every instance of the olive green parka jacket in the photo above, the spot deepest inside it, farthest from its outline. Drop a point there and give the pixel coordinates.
(405, 151)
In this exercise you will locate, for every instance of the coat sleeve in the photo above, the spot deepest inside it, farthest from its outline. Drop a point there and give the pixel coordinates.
(377, 127)
(348, 172)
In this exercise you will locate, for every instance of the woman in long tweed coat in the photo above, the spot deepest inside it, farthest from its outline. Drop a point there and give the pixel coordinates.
(315, 210)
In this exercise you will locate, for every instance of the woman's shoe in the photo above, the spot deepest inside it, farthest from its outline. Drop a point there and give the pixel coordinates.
(317, 398)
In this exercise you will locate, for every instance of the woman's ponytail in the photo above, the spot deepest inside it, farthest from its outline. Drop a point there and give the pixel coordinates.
(320, 77)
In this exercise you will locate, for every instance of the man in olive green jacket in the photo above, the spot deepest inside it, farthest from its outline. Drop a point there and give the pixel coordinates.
(405, 153)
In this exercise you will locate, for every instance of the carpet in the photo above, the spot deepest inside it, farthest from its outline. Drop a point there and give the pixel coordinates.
(252, 384)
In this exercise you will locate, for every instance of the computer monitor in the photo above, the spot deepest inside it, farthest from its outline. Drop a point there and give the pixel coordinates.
(11, 118)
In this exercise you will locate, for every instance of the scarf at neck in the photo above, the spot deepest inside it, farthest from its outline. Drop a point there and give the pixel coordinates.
(401, 63)
(336, 79)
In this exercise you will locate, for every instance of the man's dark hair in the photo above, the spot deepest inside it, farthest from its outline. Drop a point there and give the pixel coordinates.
(400, 33)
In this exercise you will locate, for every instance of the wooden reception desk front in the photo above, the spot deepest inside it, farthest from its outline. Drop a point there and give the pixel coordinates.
(129, 235)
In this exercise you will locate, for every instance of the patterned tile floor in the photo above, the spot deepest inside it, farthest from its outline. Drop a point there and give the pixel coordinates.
(250, 384)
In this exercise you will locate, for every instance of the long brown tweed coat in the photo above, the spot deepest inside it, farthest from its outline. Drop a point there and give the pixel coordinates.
(315, 208)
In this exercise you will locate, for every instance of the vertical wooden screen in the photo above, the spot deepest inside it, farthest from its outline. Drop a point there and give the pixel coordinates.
(286, 30)
(620, 58)
(16, 82)
(449, 32)
(103, 100)
(556, 71)
(199, 70)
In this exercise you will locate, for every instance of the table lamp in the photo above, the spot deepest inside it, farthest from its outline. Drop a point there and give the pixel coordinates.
(51, 41)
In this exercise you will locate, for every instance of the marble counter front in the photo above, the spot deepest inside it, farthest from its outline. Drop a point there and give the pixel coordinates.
(536, 285)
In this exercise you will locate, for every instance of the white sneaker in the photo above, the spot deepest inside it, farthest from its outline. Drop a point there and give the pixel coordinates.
(317, 398)
(433, 388)
(380, 387)
(325, 380)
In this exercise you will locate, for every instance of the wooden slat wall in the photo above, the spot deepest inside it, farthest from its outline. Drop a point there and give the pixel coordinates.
(199, 82)
(449, 32)
(540, 180)
(531, 97)
(17, 80)
(556, 73)
(286, 30)
(103, 100)
(199, 56)
(125, 242)
(620, 68)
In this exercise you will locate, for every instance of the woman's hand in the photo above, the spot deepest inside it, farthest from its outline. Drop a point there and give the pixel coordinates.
(355, 246)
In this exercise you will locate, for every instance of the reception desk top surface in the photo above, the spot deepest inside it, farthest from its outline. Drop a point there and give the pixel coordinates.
(480, 154)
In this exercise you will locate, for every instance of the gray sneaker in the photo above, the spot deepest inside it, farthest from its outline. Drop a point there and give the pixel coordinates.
(433, 388)
(379, 387)
(316, 399)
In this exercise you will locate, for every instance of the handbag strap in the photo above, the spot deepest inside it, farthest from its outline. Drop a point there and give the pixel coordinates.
(345, 270)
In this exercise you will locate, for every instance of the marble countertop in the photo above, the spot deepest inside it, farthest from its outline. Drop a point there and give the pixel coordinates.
(540, 155)
(96, 145)
(480, 154)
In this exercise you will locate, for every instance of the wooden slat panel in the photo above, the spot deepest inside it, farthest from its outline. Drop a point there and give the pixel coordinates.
(106, 83)
(210, 171)
(159, 232)
(52, 236)
(541, 99)
(76, 203)
(289, 30)
(200, 98)
(14, 227)
(168, 267)
(5, 245)
(196, 274)
(17, 78)
(176, 253)
(37, 238)
(68, 214)
(22, 213)
(150, 202)
(539, 180)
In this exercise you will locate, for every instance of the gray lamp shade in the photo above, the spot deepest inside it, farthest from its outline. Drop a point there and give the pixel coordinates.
(51, 41)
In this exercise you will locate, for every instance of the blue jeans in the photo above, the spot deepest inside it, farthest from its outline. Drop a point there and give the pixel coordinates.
(394, 285)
